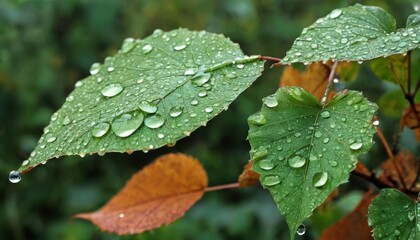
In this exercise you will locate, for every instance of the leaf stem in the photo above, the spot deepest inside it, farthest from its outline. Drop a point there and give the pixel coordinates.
(327, 88)
(221, 187)
(391, 155)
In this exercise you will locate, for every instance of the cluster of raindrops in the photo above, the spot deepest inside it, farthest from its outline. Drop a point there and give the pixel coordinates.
(342, 36)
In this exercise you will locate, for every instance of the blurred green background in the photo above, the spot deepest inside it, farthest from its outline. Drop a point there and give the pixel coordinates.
(46, 46)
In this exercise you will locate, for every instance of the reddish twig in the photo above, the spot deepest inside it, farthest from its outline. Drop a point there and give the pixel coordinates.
(221, 187)
(330, 80)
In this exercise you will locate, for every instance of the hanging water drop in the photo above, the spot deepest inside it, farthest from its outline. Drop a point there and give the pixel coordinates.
(319, 179)
(356, 146)
(14, 177)
(100, 129)
(297, 161)
(376, 123)
(126, 124)
(155, 121)
(147, 48)
(95, 68)
(270, 180)
(112, 90)
(176, 111)
(148, 107)
(301, 230)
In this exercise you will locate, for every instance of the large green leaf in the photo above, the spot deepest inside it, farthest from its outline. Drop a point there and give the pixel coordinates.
(393, 215)
(153, 92)
(303, 151)
(354, 33)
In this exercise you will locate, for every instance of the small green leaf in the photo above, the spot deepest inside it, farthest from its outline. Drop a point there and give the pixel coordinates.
(153, 92)
(304, 151)
(354, 33)
(393, 215)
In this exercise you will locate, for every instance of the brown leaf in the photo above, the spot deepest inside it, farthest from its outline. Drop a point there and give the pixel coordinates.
(361, 168)
(313, 80)
(409, 119)
(407, 164)
(354, 225)
(157, 195)
(248, 177)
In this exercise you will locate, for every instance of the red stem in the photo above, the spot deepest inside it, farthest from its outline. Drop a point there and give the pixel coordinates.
(221, 187)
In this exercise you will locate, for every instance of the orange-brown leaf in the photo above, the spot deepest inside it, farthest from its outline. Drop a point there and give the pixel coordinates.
(361, 168)
(313, 80)
(248, 177)
(157, 195)
(354, 225)
(408, 166)
(409, 119)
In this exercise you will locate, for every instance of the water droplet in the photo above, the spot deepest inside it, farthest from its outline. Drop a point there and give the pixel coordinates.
(14, 176)
(66, 121)
(312, 157)
(297, 162)
(344, 40)
(148, 107)
(24, 163)
(176, 111)
(271, 101)
(194, 102)
(200, 79)
(161, 135)
(266, 164)
(95, 68)
(261, 152)
(257, 119)
(110, 69)
(314, 45)
(78, 84)
(335, 13)
(411, 215)
(208, 109)
(326, 140)
(155, 121)
(231, 75)
(319, 179)
(100, 129)
(325, 114)
(356, 146)
(297, 94)
(301, 230)
(334, 163)
(112, 90)
(126, 124)
(376, 123)
(318, 134)
(202, 93)
(180, 47)
(270, 180)
(363, 108)
(70, 98)
(189, 72)
(50, 138)
(128, 45)
(147, 48)
(240, 66)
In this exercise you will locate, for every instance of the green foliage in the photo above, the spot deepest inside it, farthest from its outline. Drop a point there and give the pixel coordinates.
(303, 150)
(393, 215)
(153, 92)
(355, 33)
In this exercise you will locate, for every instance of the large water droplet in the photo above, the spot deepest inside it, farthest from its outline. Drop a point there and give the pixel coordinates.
(66, 121)
(100, 129)
(208, 109)
(257, 119)
(325, 114)
(180, 47)
(50, 138)
(176, 111)
(319, 179)
(271, 101)
(148, 107)
(112, 90)
(147, 48)
(335, 13)
(297, 161)
(270, 180)
(356, 146)
(95, 68)
(200, 79)
(155, 121)
(126, 124)
(261, 152)
(14, 176)
(128, 45)
(266, 164)
(301, 230)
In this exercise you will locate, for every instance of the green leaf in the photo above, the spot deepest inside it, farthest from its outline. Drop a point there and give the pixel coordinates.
(153, 92)
(392, 69)
(354, 33)
(393, 215)
(304, 151)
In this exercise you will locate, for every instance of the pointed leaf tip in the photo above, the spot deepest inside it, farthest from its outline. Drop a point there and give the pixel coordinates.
(156, 195)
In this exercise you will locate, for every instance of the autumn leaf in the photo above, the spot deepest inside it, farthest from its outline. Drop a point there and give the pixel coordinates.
(313, 80)
(157, 195)
(409, 119)
(248, 177)
(407, 164)
(354, 225)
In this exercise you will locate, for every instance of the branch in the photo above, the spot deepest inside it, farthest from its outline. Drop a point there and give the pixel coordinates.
(327, 88)
(221, 187)
(277, 61)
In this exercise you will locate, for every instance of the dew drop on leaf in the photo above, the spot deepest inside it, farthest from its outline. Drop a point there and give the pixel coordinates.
(50, 138)
(325, 114)
(335, 13)
(319, 179)
(270, 180)
(257, 119)
(126, 124)
(176, 111)
(271, 101)
(14, 176)
(259, 153)
(356, 146)
(266, 164)
(128, 45)
(148, 107)
(208, 109)
(180, 47)
(111, 90)
(66, 120)
(155, 121)
(100, 129)
(147, 48)
(301, 230)
(200, 79)
(95, 68)
(297, 161)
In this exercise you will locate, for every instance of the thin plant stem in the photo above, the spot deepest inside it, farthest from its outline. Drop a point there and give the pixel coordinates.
(327, 88)
(221, 187)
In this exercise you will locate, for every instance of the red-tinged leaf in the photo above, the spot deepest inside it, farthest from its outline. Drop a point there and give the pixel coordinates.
(157, 195)
(410, 120)
(248, 177)
(354, 225)
(408, 166)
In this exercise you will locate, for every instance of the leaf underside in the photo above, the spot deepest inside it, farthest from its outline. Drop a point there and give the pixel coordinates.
(393, 215)
(303, 151)
(153, 92)
(354, 33)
